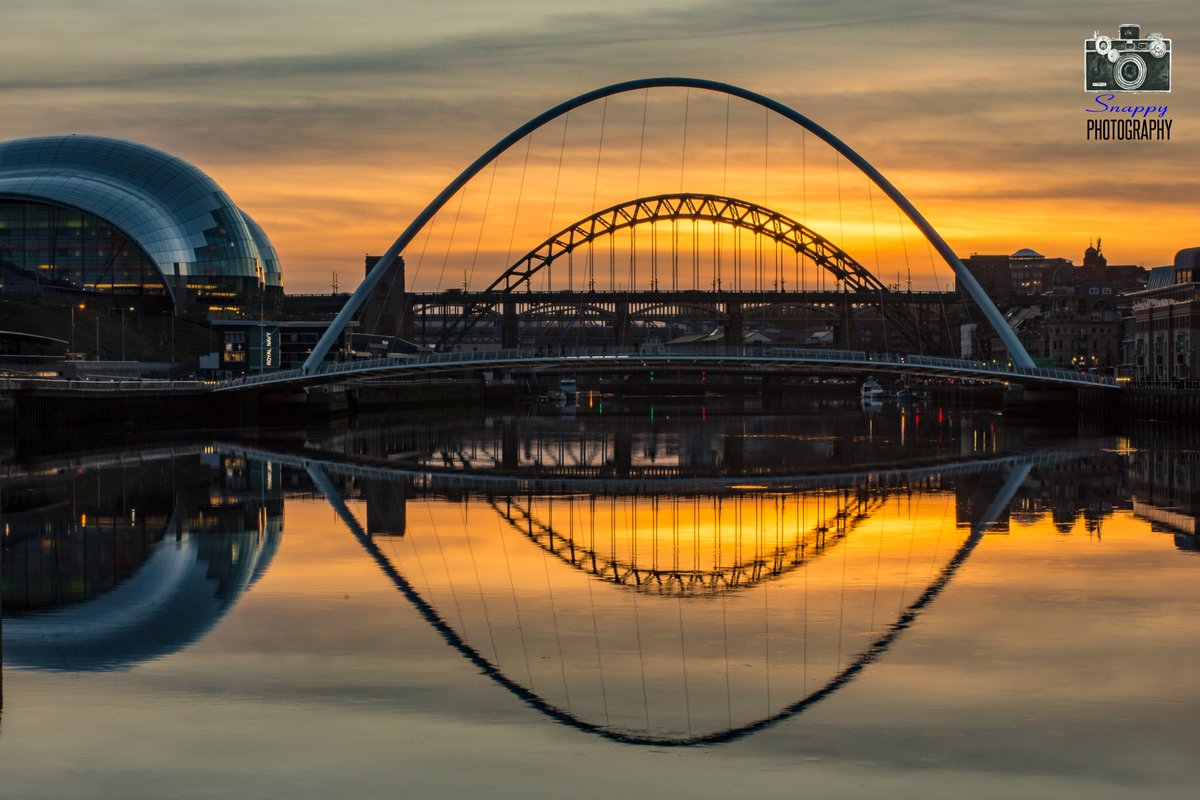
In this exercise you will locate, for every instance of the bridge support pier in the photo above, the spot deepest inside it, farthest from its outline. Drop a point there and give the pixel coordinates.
(387, 507)
(735, 326)
(734, 457)
(510, 333)
(510, 447)
(622, 453)
(1029, 401)
(621, 337)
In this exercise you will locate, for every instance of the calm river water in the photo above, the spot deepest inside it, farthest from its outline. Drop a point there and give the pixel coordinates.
(616, 600)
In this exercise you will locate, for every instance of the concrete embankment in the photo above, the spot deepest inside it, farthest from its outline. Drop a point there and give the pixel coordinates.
(33, 409)
(57, 409)
(49, 409)
(1180, 404)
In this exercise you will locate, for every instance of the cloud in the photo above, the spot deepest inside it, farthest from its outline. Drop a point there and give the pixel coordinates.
(962, 104)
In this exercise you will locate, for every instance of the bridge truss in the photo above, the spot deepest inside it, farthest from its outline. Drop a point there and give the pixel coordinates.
(849, 275)
(966, 280)
(901, 321)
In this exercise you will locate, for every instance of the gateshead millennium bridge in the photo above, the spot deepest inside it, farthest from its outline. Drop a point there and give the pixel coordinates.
(481, 332)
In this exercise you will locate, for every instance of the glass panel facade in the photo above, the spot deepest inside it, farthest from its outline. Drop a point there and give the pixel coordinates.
(44, 245)
(92, 213)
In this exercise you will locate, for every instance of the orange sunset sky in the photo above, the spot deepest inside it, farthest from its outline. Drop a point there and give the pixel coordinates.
(334, 124)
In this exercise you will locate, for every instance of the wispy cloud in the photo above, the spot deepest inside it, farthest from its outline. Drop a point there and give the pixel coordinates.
(963, 103)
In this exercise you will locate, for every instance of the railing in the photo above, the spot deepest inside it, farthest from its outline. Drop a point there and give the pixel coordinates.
(752, 355)
(104, 384)
(430, 480)
(1171, 384)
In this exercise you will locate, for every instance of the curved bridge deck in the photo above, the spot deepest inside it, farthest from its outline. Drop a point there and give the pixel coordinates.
(746, 360)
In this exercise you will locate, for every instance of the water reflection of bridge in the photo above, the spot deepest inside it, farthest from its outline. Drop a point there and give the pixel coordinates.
(708, 551)
(659, 442)
(707, 659)
(668, 611)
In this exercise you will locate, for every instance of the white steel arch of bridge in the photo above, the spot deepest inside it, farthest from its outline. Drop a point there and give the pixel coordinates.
(1020, 357)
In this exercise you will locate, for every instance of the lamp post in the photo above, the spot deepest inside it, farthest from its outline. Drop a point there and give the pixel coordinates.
(82, 306)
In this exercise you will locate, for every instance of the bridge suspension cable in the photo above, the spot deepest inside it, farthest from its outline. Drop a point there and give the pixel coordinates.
(739, 214)
(968, 282)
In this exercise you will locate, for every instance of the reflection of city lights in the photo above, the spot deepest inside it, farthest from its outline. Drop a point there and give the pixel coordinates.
(1125, 446)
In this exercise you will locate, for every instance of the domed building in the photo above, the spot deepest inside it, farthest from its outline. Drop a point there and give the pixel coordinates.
(88, 214)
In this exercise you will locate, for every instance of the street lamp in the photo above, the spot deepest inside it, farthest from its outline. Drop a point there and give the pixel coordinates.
(123, 331)
(82, 306)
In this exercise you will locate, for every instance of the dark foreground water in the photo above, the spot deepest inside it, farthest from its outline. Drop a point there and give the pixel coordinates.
(678, 601)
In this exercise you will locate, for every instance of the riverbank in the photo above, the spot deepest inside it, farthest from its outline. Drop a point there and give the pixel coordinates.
(32, 409)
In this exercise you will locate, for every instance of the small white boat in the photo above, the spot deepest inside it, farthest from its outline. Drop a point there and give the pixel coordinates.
(871, 390)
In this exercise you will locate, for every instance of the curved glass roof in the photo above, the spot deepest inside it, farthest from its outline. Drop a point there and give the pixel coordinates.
(182, 219)
(266, 251)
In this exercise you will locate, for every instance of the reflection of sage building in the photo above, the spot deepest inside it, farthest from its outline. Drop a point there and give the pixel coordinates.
(87, 215)
(109, 566)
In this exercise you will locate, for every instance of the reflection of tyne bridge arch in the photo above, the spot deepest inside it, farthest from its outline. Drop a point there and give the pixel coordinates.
(730, 307)
(1006, 472)
(1016, 350)
(673, 575)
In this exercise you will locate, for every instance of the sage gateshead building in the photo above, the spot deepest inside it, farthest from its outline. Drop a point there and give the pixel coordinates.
(88, 215)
